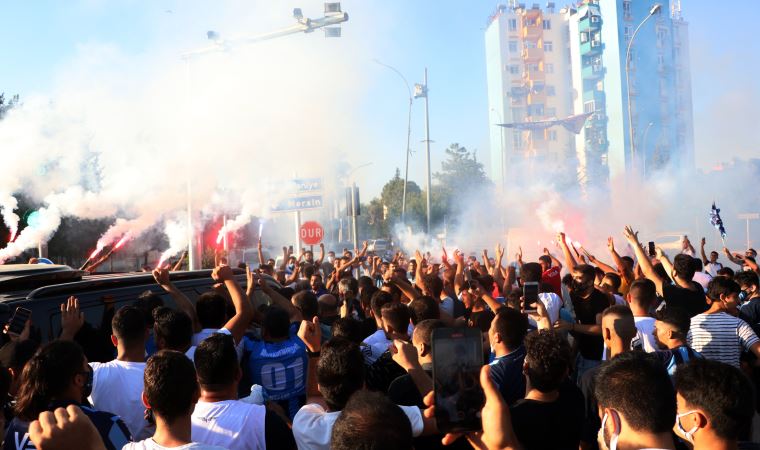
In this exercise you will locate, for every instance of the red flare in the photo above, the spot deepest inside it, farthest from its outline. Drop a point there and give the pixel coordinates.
(95, 252)
(121, 242)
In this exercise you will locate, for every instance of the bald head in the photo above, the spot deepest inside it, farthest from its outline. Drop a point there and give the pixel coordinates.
(328, 305)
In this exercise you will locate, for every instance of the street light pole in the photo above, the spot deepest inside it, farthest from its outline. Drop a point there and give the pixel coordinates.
(353, 205)
(424, 92)
(501, 153)
(408, 139)
(655, 8)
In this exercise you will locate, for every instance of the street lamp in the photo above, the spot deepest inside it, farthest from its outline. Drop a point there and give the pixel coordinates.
(354, 226)
(421, 90)
(652, 11)
(408, 137)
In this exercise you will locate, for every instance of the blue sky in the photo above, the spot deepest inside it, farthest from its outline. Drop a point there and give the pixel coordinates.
(38, 38)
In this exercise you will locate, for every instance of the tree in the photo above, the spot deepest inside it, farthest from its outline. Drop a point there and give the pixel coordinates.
(7, 104)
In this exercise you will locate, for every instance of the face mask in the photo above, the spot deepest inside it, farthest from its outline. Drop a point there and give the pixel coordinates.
(291, 266)
(331, 259)
(87, 388)
(688, 435)
(743, 296)
(601, 436)
(578, 286)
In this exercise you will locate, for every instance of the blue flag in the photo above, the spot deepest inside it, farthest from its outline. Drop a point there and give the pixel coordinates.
(716, 221)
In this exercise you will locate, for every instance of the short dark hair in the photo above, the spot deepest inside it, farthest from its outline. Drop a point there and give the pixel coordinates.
(629, 261)
(276, 322)
(676, 317)
(424, 330)
(747, 278)
(547, 357)
(615, 280)
(433, 285)
(173, 327)
(348, 328)
(625, 322)
(170, 385)
(128, 325)
(363, 283)
(683, 267)
(306, 302)
(380, 299)
(589, 272)
(211, 308)
(396, 315)
(638, 386)
(696, 263)
(216, 362)
(722, 391)
(424, 308)
(545, 259)
(643, 292)
(721, 286)
(512, 325)
(726, 272)
(370, 421)
(147, 302)
(531, 272)
(340, 371)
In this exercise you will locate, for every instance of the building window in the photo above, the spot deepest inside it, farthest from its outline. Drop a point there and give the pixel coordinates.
(551, 135)
(514, 69)
(532, 67)
(584, 37)
(628, 30)
(548, 46)
(549, 68)
(551, 112)
(550, 90)
(516, 139)
(589, 107)
(595, 19)
(529, 44)
(547, 24)
(512, 24)
(512, 46)
(626, 9)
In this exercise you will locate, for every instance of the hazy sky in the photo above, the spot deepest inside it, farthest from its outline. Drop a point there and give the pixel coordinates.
(40, 38)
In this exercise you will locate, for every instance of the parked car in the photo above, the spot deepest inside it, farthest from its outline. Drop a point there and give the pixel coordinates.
(42, 288)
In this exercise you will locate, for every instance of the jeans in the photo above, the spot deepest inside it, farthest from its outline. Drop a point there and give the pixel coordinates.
(582, 365)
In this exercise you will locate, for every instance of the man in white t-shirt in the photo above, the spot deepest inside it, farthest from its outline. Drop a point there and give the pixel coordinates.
(641, 296)
(170, 393)
(717, 333)
(219, 417)
(711, 266)
(340, 373)
(117, 385)
(377, 343)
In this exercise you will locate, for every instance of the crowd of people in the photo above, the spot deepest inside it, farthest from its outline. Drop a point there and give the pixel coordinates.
(646, 352)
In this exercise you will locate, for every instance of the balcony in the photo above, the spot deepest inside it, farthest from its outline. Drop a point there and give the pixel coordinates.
(532, 54)
(537, 97)
(590, 23)
(532, 32)
(592, 47)
(531, 76)
(592, 71)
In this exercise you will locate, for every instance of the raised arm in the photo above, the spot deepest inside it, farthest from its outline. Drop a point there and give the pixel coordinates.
(418, 272)
(702, 253)
(622, 269)
(664, 260)
(179, 262)
(285, 257)
(605, 267)
(293, 276)
(260, 251)
(459, 277)
(734, 259)
(498, 276)
(293, 312)
(406, 287)
(238, 324)
(487, 262)
(644, 262)
(321, 259)
(569, 259)
(555, 261)
(180, 299)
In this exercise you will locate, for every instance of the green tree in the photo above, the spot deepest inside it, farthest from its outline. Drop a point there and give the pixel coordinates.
(7, 104)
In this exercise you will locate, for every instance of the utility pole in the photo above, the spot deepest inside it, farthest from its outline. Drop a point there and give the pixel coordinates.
(421, 90)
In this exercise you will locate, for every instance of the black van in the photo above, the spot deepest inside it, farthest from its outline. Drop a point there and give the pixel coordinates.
(42, 288)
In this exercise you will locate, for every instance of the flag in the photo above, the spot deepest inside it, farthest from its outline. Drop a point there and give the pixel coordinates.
(572, 123)
(716, 221)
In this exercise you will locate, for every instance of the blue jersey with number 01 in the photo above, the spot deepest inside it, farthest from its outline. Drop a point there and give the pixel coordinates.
(280, 368)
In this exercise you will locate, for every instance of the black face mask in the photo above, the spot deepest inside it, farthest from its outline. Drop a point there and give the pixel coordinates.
(87, 388)
(579, 286)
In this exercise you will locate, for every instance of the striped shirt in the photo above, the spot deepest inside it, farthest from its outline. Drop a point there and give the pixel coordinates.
(720, 336)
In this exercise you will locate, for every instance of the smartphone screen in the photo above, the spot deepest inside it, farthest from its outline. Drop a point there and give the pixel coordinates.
(651, 249)
(530, 295)
(18, 320)
(457, 359)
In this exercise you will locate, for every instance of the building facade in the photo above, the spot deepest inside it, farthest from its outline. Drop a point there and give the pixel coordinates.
(528, 76)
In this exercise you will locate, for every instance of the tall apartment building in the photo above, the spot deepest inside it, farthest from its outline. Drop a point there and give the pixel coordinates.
(527, 66)
(586, 53)
(658, 73)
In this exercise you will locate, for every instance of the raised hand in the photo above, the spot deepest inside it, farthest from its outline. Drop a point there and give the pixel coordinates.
(610, 244)
(64, 429)
(561, 238)
(658, 253)
(311, 334)
(704, 241)
(404, 354)
(631, 236)
(162, 278)
(222, 273)
(72, 319)
(499, 252)
(546, 252)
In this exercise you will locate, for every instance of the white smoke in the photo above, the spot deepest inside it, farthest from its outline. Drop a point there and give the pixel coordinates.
(46, 221)
(8, 203)
(177, 233)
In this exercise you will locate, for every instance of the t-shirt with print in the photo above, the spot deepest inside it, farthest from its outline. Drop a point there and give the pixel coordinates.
(117, 388)
(720, 336)
(279, 368)
(713, 268)
(586, 310)
(645, 333)
(553, 277)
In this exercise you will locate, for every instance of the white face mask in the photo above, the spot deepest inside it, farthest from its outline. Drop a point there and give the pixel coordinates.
(601, 436)
(331, 258)
(688, 435)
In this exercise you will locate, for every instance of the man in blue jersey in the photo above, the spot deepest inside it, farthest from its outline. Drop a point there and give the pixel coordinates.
(670, 329)
(279, 361)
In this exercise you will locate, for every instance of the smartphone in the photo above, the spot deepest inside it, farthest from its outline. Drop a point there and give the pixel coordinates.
(18, 321)
(467, 275)
(530, 296)
(457, 359)
(652, 251)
